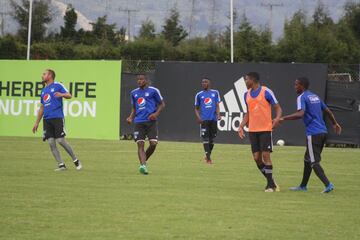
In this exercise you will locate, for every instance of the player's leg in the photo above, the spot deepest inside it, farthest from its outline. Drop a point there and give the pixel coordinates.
(49, 135)
(60, 134)
(212, 135)
(205, 134)
(139, 137)
(315, 144)
(265, 139)
(255, 148)
(152, 133)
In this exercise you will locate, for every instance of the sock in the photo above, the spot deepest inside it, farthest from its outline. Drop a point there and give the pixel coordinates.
(306, 174)
(211, 143)
(268, 174)
(319, 171)
(76, 162)
(207, 150)
(67, 147)
(55, 151)
(261, 167)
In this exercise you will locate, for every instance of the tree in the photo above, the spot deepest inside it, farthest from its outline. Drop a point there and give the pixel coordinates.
(352, 17)
(321, 16)
(40, 17)
(147, 30)
(68, 32)
(172, 31)
(104, 31)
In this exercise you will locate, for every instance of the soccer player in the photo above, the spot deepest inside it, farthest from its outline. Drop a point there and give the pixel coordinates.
(52, 111)
(259, 100)
(310, 108)
(147, 103)
(207, 114)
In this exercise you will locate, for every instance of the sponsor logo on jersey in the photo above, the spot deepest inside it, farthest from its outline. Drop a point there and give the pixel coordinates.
(141, 102)
(47, 98)
(208, 101)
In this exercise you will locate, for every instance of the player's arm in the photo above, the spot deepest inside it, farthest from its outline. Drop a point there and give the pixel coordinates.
(295, 116)
(336, 125)
(197, 114)
(130, 118)
(243, 123)
(156, 114)
(66, 95)
(38, 119)
(278, 114)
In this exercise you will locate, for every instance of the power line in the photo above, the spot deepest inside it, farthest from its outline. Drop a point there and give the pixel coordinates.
(128, 11)
(2, 23)
(271, 6)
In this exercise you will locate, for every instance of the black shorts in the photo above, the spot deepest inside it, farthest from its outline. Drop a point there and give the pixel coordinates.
(261, 141)
(146, 129)
(208, 130)
(314, 147)
(53, 128)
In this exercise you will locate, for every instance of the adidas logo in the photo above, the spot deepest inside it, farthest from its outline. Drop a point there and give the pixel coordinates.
(233, 108)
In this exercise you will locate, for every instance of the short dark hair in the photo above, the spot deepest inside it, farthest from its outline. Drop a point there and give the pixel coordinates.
(304, 81)
(52, 73)
(254, 76)
(206, 78)
(142, 74)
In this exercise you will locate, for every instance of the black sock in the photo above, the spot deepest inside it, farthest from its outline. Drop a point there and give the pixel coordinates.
(211, 146)
(76, 162)
(319, 171)
(268, 174)
(306, 174)
(207, 150)
(261, 167)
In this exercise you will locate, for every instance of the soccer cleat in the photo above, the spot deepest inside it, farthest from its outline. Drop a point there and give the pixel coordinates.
(78, 164)
(299, 188)
(329, 188)
(208, 161)
(269, 189)
(143, 170)
(277, 187)
(61, 168)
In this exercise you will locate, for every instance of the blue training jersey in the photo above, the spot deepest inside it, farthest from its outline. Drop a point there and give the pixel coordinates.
(207, 102)
(269, 95)
(53, 106)
(313, 108)
(145, 102)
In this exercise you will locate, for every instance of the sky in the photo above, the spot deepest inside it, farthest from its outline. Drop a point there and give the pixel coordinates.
(197, 16)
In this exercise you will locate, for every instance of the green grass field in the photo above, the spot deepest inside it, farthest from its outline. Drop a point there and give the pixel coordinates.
(182, 198)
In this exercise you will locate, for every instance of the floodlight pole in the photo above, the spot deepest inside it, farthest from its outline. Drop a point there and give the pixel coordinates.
(231, 31)
(29, 30)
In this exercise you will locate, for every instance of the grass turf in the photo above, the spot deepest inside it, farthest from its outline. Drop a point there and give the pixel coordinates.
(182, 198)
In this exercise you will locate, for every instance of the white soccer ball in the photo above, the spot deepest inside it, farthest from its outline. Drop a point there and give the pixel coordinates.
(280, 142)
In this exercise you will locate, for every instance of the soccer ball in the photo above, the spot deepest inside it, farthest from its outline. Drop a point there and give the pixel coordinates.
(280, 142)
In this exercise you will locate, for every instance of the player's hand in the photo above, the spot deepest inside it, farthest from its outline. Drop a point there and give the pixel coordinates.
(58, 94)
(275, 122)
(129, 120)
(35, 128)
(241, 132)
(199, 120)
(153, 117)
(337, 128)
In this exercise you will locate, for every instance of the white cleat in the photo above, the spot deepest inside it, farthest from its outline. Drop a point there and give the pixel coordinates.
(60, 169)
(79, 166)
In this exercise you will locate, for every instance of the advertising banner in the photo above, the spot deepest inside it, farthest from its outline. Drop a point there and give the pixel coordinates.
(93, 111)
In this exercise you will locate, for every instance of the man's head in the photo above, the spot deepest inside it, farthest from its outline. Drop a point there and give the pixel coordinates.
(142, 80)
(205, 83)
(251, 78)
(48, 76)
(301, 85)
